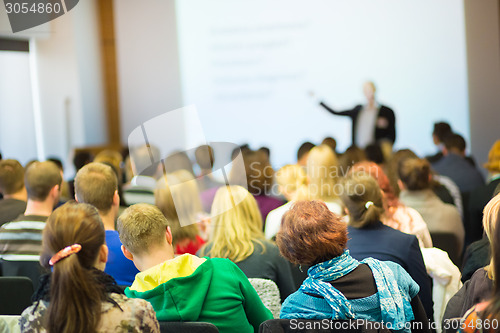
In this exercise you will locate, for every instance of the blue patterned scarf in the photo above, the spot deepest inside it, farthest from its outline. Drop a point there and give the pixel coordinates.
(394, 304)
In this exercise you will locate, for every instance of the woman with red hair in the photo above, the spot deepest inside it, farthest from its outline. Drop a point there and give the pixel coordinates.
(396, 215)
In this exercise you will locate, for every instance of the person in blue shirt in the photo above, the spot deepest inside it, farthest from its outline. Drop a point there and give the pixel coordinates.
(96, 184)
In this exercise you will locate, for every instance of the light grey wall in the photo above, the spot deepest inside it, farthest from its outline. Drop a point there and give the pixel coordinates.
(148, 63)
(482, 21)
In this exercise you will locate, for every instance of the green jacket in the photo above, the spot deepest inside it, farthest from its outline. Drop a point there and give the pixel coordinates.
(217, 292)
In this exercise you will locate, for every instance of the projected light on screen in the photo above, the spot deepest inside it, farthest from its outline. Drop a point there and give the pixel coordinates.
(248, 65)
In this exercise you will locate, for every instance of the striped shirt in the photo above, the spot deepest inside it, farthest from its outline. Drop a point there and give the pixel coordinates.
(21, 239)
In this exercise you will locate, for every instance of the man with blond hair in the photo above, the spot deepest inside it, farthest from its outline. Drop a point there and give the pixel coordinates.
(21, 239)
(186, 288)
(96, 184)
(12, 187)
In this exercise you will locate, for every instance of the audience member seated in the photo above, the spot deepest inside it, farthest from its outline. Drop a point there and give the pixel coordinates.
(416, 193)
(144, 163)
(96, 184)
(486, 312)
(396, 215)
(374, 153)
(480, 196)
(21, 239)
(442, 186)
(12, 187)
(237, 235)
(351, 156)
(259, 177)
(369, 237)
(322, 175)
(439, 133)
(338, 286)
(78, 296)
(64, 185)
(303, 153)
(478, 288)
(289, 179)
(186, 288)
(79, 160)
(178, 198)
(330, 142)
(205, 159)
(114, 159)
(454, 165)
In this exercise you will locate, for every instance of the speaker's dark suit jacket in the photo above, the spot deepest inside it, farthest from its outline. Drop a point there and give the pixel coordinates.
(385, 124)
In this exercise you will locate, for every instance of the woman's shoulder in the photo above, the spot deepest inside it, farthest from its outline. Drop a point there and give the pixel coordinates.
(128, 315)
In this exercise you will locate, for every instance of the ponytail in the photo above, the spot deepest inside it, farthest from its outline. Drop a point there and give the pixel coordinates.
(75, 298)
(72, 238)
(363, 198)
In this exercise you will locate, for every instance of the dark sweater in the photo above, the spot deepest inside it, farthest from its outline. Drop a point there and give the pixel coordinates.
(268, 265)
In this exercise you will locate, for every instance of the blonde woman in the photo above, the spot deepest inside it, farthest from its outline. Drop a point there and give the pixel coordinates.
(178, 198)
(323, 174)
(480, 286)
(289, 178)
(236, 234)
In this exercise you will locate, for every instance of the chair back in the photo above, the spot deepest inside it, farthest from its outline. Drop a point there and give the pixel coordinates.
(30, 269)
(187, 327)
(15, 293)
(269, 294)
(324, 325)
(448, 242)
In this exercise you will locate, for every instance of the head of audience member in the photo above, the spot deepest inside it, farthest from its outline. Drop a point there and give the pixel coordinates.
(290, 178)
(330, 142)
(205, 158)
(415, 174)
(112, 158)
(81, 158)
(322, 173)
(57, 161)
(96, 184)
(440, 132)
(266, 151)
(491, 218)
(259, 175)
(29, 163)
(389, 199)
(393, 165)
(351, 156)
(493, 164)
(178, 160)
(369, 90)
(455, 144)
(146, 236)
(374, 153)
(241, 149)
(303, 153)
(362, 198)
(310, 234)
(178, 198)
(144, 160)
(43, 183)
(76, 295)
(12, 180)
(236, 224)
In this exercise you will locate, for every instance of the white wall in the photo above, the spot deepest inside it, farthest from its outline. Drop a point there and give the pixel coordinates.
(148, 63)
(69, 71)
(17, 126)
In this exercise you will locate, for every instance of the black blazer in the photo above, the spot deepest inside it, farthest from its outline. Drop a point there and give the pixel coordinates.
(383, 129)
